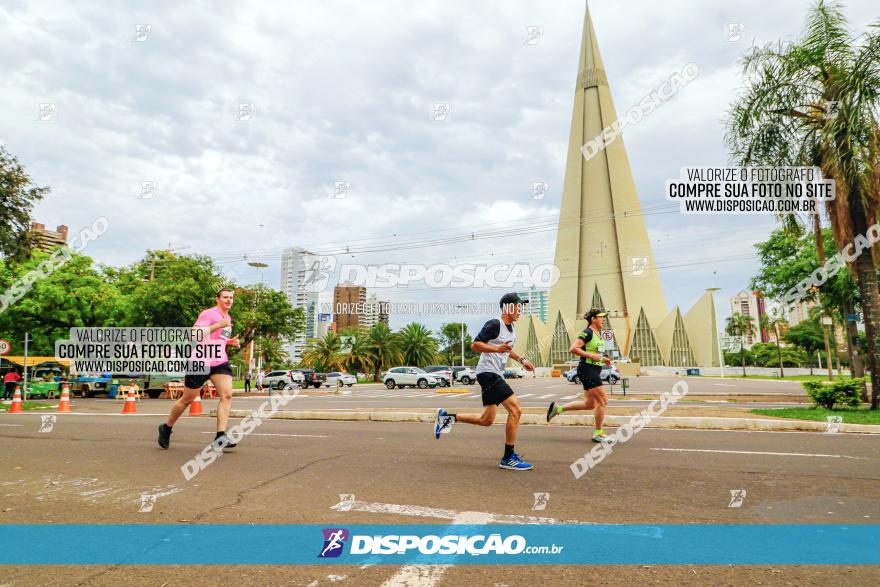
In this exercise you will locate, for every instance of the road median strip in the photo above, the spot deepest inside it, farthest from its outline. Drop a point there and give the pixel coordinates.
(681, 422)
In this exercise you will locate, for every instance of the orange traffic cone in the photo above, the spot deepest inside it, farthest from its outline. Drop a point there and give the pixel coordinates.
(195, 408)
(129, 407)
(64, 404)
(15, 408)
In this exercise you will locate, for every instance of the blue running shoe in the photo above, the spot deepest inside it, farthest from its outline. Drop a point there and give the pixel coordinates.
(443, 422)
(514, 463)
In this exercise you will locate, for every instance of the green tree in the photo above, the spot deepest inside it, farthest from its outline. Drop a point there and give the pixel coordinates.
(741, 326)
(261, 313)
(807, 335)
(815, 102)
(358, 358)
(272, 350)
(777, 324)
(450, 342)
(384, 347)
(168, 290)
(324, 354)
(74, 294)
(417, 344)
(18, 195)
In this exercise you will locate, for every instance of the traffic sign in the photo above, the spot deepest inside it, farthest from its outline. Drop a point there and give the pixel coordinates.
(4, 346)
(607, 335)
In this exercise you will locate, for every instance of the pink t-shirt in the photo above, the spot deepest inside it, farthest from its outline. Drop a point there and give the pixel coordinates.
(219, 336)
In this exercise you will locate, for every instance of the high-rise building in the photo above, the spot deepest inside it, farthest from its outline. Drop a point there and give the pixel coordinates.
(46, 240)
(603, 254)
(349, 303)
(301, 293)
(539, 300)
(375, 311)
(750, 304)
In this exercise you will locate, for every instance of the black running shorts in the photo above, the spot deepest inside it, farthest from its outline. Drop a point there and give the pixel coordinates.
(495, 388)
(192, 381)
(589, 375)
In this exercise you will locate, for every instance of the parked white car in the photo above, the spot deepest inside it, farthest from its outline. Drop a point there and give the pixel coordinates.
(283, 379)
(335, 378)
(466, 375)
(409, 377)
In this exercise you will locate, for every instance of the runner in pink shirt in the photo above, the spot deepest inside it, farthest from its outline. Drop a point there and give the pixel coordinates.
(218, 326)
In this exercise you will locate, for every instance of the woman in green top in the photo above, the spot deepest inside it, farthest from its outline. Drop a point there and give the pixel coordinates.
(590, 347)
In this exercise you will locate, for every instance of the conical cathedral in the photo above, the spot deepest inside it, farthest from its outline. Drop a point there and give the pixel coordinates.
(603, 252)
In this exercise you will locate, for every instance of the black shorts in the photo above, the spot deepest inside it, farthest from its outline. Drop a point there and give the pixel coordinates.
(495, 388)
(590, 375)
(192, 381)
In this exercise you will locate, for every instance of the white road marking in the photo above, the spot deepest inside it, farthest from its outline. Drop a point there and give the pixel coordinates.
(746, 452)
(571, 397)
(12, 425)
(525, 395)
(428, 575)
(443, 514)
(272, 434)
(546, 396)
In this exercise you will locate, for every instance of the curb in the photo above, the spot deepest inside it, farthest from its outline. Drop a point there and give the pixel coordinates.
(679, 422)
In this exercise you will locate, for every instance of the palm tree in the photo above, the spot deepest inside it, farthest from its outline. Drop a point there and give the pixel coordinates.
(359, 357)
(382, 344)
(815, 102)
(741, 326)
(324, 353)
(776, 323)
(417, 344)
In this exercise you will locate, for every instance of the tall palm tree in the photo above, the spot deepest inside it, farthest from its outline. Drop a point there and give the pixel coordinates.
(383, 345)
(418, 345)
(777, 323)
(324, 353)
(815, 102)
(741, 326)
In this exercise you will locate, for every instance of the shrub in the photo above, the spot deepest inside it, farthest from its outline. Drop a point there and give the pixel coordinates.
(826, 394)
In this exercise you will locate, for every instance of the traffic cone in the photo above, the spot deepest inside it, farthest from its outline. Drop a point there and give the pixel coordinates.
(64, 404)
(129, 407)
(195, 408)
(15, 408)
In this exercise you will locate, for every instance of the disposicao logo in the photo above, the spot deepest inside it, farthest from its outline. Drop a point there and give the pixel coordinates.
(334, 540)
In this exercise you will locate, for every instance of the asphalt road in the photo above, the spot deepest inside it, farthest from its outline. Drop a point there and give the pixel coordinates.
(94, 469)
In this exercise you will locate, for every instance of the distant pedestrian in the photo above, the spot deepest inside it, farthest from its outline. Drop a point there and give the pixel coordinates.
(247, 382)
(260, 376)
(10, 381)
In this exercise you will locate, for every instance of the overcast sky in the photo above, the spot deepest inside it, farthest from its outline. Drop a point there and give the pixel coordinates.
(344, 92)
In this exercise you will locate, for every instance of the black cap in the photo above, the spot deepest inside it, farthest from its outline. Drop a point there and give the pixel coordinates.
(512, 298)
(593, 313)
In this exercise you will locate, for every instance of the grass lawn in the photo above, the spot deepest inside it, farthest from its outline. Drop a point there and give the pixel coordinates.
(861, 415)
(28, 406)
(818, 377)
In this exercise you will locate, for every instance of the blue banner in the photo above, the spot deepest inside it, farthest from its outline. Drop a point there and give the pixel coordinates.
(563, 544)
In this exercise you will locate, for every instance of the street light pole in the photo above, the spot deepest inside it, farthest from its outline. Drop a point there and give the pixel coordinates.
(27, 337)
(258, 265)
(462, 344)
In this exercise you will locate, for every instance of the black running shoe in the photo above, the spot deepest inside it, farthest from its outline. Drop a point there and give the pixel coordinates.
(164, 435)
(551, 411)
(222, 442)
